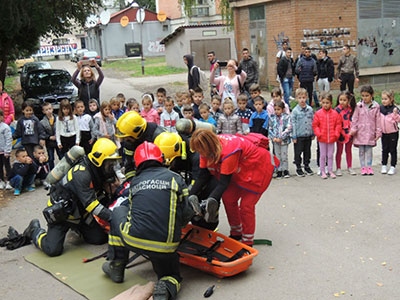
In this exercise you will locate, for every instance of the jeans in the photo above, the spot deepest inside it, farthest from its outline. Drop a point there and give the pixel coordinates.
(4, 162)
(287, 86)
(303, 146)
(347, 79)
(18, 182)
(281, 152)
(309, 88)
(365, 155)
(389, 145)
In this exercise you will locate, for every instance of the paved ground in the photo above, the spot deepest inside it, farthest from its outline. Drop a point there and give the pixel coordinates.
(331, 239)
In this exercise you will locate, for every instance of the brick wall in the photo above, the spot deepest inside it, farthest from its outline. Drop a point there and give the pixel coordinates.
(308, 21)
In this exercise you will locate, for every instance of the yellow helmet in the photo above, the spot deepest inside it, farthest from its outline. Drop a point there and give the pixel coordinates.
(103, 149)
(171, 146)
(131, 124)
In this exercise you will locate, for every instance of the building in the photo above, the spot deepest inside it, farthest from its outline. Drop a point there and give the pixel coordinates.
(112, 39)
(198, 40)
(370, 27)
(205, 12)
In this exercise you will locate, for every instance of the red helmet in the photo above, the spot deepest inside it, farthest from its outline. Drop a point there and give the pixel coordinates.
(147, 151)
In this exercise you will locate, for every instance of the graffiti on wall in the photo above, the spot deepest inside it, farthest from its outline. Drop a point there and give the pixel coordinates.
(331, 39)
(279, 39)
(156, 47)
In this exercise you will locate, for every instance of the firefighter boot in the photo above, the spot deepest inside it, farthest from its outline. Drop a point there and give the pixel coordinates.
(160, 291)
(115, 269)
(33, 225)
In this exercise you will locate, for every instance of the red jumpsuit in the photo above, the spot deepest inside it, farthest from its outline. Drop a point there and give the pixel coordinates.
(251, 170)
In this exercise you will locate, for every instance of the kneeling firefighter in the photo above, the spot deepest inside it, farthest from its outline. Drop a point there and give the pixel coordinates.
(77, 199)
(135, 130)
(151, 225)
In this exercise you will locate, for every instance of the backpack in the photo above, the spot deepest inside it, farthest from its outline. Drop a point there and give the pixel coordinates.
(203, 83)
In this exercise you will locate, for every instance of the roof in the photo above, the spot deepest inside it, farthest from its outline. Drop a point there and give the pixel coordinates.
(182, 29)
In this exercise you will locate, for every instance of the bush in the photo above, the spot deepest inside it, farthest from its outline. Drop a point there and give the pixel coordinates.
(12, 69)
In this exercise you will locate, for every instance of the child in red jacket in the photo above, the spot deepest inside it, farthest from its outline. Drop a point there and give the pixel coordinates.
(327, 126)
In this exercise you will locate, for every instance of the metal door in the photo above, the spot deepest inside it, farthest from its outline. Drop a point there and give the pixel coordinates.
(258, 40)
(200, 48)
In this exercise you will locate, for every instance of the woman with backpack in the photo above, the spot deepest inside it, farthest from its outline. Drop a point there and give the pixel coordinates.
(244, 171)
(231, 85)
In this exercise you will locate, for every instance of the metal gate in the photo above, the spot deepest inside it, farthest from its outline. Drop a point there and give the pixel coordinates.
(200, 48)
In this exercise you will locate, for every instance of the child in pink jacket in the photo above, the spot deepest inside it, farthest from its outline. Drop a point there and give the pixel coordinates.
(366, 128)
(6, 105)
(148, 112)
(390, 131)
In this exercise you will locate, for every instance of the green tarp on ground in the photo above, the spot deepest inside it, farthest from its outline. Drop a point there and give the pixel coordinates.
(86, 279)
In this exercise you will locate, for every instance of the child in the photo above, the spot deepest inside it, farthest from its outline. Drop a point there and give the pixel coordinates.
(121, 98)
(132, 104)
(41, 164)
(115, 107)
(244, 113)
(197, 101)
(228, 122)
(5, 151)
(148, 112)
(302, 132)
(187, 111)
(29, 129)
(276, 96)
(22, 174)
(186, 98)
(366, 128)
(255, 91)
(216, 111)
(390, 131)
(93, 107)
(178, 106)
(259, 119)
(279, 129)
(6, 105)
(345, 106)
(205, 114)
(49, 125)
(104, 123)
(159, 104)
(327, 126)
(86, 125)
(68, 133)
(169, 116)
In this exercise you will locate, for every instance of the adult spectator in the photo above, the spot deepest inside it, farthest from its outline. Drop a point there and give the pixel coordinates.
(213, 59)
(229, 86)
(306, 68)
(286, 70)
(282, 53)
(88, 86)
(347, 67)
(250, 67)
(326, 71)
(6, 105)
(193, 73)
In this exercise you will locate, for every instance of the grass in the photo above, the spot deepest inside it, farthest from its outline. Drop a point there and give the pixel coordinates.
(154, 66)
(11, 83)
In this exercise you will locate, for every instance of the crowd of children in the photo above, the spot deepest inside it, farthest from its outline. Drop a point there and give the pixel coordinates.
(339, 124)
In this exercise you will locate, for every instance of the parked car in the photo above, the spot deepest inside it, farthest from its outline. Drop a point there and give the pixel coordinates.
(38, 65)
(20, 62)
(78, 54)
(49, 85)
(90, 55)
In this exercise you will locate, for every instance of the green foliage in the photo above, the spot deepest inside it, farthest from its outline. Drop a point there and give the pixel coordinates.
(11, 84)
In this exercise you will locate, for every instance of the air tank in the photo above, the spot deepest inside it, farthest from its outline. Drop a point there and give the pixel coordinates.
(186, 126)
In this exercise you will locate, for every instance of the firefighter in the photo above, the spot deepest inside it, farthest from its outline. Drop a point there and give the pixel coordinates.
(135, 130)
(77, 199)
(151, 225)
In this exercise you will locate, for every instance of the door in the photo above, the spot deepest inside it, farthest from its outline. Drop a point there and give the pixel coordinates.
(258, 41)
(200, 48)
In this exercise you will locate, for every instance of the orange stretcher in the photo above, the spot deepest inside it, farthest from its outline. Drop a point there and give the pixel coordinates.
(213, 252)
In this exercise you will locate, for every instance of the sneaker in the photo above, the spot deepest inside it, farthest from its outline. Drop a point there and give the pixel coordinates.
(8, 186)
(211, 211)
(339, 172)
(332, 175)
(17, 192)
(319, 172)
(370, 171)
(384, 169)
(2, 185)
(300, 173)
(194, 202)
(351, 171)
(324, 176)
(308, 170)
(392, 171)
(30, 189)
(364, 171)
(286, 174)
(279, 174)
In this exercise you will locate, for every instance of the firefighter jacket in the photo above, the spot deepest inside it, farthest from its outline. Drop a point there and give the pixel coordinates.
(158, 210)
(149, 135)
(82, 187)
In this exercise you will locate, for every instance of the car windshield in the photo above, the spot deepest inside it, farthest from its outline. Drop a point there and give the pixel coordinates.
(37, 66)
(52, 78)
(91, 54)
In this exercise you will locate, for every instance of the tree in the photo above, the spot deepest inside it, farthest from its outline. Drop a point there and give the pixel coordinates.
(23, 22)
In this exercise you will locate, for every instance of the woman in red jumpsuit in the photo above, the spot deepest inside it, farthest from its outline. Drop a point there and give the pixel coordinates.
(243, 171)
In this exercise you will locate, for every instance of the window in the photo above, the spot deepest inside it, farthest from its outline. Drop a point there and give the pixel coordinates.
(256, 13)
(200, 11)
(376, 9)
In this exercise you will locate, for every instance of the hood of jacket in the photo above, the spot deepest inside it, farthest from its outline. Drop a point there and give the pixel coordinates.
(385, 110)
(189, 59)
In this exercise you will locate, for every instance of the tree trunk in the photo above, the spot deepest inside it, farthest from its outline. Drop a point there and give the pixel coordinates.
(4, 62)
